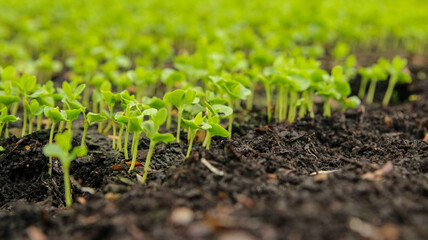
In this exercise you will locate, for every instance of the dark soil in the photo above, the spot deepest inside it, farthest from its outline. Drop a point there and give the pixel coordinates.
(359, 175)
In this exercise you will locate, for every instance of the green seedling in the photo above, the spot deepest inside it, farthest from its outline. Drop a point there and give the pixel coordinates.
(170, 78)
(34, 109)
(377, 74)
(46, 96)
(151, 128)
(110, 99)
(194, 125)
(366, 74)
(234, 90)
(397, 75)
(4, 119)
(88, 120)
(179, 98)
(215, 113)
(267, 83)
(7, 100)
(61, 150)
(55, 115)
(25, 85)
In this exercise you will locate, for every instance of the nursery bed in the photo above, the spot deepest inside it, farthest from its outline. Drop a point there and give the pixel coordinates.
(363, 174)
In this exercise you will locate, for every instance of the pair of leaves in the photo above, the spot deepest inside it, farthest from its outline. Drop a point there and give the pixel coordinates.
(4, 118)
(61, 148)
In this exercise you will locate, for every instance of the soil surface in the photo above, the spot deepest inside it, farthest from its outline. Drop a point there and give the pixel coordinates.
(358, 175)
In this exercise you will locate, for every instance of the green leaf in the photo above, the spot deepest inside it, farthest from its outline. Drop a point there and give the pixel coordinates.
(217, 130)
(8, 100)
(8, 73)
(175, 98)
(222, 110)
(53, 150)
(95, 117)
(54, 114)
(153, 102)
(149, 128)
(135, 125)
(159, 117)
(164, 137)
(72, 115)
(79, 151)
(64, 140)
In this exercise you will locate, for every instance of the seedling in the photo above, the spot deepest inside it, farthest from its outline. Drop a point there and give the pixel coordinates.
(34, 109)
(4, 119)
(234, 90)
(215, 113)
(25, 85)
(377, 74)
(398, 75)
(151, 128)
(88, 120)
(194, 125)
(56, 116)
(7, 100)
(179, 98)
(110, 99)
(61, 150)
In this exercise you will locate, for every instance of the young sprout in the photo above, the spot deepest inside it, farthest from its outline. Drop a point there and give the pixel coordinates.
(179, 98)
(61, 150)
(398, 75)
(55, 115)
(7, 100)
(111, 99)
(25, 85)
(194, 125)
(151, 128)
(215, 113)
(377, 74)
(46, 96)
(4, 119)
(234, 90)
(171, 77)
(34, 109)
(366, 74)
(88, 120)
(267, 83)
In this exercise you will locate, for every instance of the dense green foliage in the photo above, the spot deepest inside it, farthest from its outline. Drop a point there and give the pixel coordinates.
(131, 66)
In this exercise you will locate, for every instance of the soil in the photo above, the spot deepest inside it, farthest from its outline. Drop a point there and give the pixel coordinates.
(358, 175)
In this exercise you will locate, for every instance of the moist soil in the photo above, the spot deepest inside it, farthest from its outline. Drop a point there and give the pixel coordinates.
(362, 174)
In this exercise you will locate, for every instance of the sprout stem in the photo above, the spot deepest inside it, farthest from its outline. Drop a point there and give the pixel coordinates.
(66, 170)
(327, 109)
(134, 151)
(180, 112)
(372, 89)
(24, 125)
(268, 103)
(168, 120)
(39, 122)
(125, 147)
(363, 87)
(389, 91)
(149, 156)
(85, 129)
(190, 144)
(50, 142)
(230, 118)
(119, 139)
